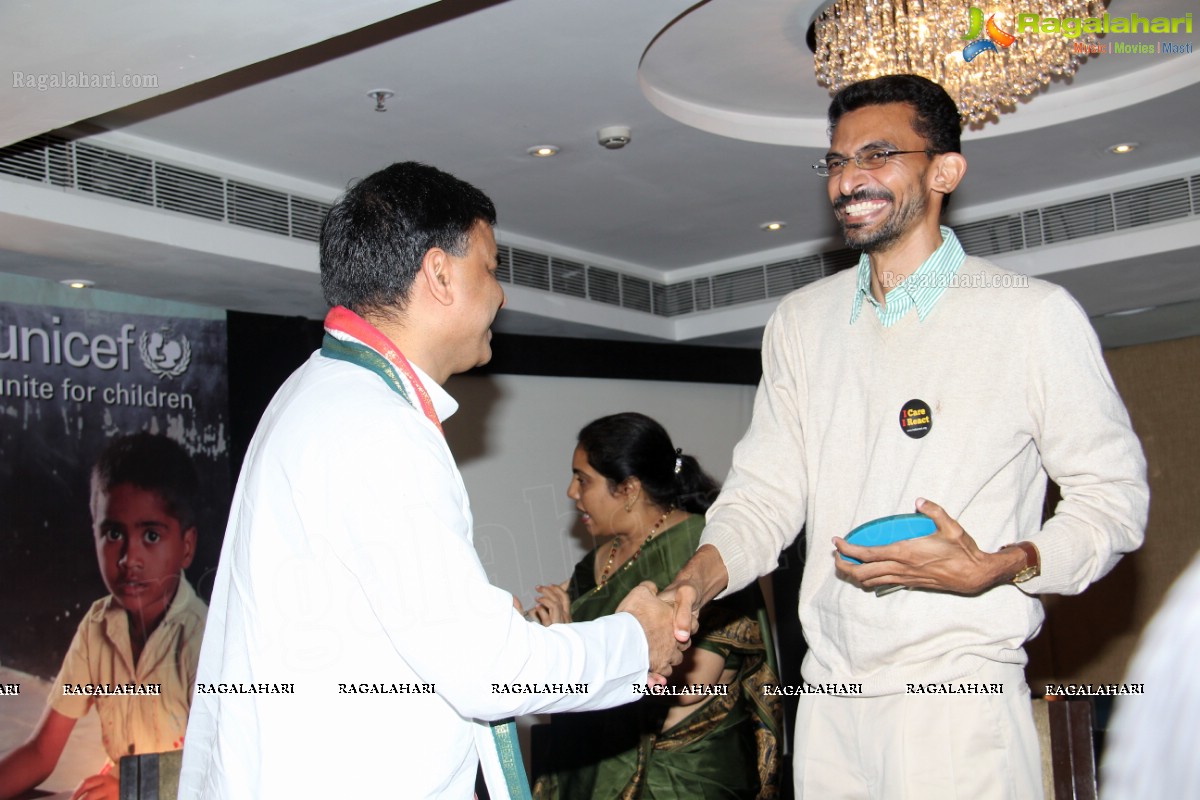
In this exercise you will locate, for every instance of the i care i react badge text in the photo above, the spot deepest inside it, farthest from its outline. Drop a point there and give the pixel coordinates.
(916, 419)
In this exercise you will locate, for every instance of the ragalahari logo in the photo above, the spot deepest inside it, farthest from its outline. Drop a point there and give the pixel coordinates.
(995, 36)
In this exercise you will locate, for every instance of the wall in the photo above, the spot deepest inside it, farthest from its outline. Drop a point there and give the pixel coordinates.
(514, 435)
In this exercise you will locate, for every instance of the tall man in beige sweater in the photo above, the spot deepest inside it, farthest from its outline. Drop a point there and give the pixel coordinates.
(932, 381)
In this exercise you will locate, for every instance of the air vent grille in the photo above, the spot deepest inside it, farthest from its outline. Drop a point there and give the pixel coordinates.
(702, 291)
(1077, 220)
(990, 236)
(838, 260)
(568, 277)
(253, 207)
(1031, 223)
(604, 286)
(635, 293)
(531, 269)
(671, 300)
(307, 217)
(189, 192)
(44, 158)
(503, 265)
(87, 167)
(58, 161)
(113, 174)
(1150, 204)
(742, 286)
(785, 276)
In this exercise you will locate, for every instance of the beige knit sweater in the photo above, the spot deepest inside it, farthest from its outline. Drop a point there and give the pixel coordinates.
(1016, 387)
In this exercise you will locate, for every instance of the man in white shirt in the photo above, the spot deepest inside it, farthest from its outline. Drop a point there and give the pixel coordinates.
(354, 645)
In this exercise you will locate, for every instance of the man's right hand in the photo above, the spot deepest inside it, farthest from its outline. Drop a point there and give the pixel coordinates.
(701, 579)
(657, 620)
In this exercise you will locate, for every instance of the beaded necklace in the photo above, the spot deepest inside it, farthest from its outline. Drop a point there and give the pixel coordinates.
(616, 543)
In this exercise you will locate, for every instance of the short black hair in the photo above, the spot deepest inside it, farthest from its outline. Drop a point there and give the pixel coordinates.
(628, 445)
(374, 237)
(155, 464)
(936, 117)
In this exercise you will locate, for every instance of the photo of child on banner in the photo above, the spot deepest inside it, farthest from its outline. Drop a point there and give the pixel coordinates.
(114, 425)
(134, 654)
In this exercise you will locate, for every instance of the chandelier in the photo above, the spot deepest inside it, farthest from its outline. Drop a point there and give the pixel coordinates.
(986, 66)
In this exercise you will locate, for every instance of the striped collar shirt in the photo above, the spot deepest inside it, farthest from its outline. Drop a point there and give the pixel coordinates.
(921, 290)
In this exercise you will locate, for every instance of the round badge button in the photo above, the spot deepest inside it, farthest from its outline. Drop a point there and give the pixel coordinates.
(916, 419)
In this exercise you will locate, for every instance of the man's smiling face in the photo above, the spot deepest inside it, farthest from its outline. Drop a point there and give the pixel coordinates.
(876, 208)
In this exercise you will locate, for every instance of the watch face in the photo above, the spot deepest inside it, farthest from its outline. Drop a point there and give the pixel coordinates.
(1026, 574)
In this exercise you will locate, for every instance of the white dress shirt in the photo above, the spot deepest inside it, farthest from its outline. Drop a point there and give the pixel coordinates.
(348, 564)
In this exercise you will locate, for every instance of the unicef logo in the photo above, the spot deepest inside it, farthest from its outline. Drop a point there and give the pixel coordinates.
(163, 355)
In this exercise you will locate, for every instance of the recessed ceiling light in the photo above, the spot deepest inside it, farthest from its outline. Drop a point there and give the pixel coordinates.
(1123, 148)
(543, 151)
(773, 226)
(78, 283)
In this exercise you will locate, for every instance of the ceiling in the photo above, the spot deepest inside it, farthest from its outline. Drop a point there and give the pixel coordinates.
(725, 117)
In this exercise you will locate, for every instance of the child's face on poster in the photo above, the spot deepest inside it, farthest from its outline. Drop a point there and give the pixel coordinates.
(141, 549)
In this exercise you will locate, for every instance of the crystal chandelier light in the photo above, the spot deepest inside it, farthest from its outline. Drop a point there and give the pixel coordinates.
(985, 67)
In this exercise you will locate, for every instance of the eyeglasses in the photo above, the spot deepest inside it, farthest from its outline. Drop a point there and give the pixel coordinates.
(867, 159)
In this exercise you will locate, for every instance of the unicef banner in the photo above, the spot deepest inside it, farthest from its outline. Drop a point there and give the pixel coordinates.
(72, 383)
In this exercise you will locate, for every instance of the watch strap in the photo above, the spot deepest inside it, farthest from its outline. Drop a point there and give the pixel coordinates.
(1033, 561)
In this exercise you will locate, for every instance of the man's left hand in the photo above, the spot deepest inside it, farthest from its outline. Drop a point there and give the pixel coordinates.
(946, 561)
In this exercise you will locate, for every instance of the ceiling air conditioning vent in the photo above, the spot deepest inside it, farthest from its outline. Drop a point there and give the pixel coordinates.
(742, 286)
(86, 167)
(1147, 205)
(307, 217)
(503, 264)
(785, 276)
(189, 192)
(702, 291)
(112, 174)
(258, 208)
(1077, 219)
(604, 286)
(1031, 224)
(568, 277)
(55, 160)
(635, 293)
(44, 158)
(837, 260)
(991, 236)
(674, 299)
(531, 269)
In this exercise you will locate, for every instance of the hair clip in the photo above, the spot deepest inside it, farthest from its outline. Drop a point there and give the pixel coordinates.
(678, 460)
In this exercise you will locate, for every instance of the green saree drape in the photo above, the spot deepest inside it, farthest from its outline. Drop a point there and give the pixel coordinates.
(727, 746)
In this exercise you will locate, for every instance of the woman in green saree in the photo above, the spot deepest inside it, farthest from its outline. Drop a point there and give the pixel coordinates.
(715, 735)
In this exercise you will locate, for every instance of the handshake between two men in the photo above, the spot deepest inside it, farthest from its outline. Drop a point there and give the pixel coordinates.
(669, 618)
(668, 629)
(657, 615)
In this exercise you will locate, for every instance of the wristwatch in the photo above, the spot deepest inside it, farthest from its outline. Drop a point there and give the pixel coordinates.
(1033, 561)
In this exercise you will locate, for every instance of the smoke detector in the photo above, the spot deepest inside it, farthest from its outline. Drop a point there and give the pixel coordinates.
(613, 137)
